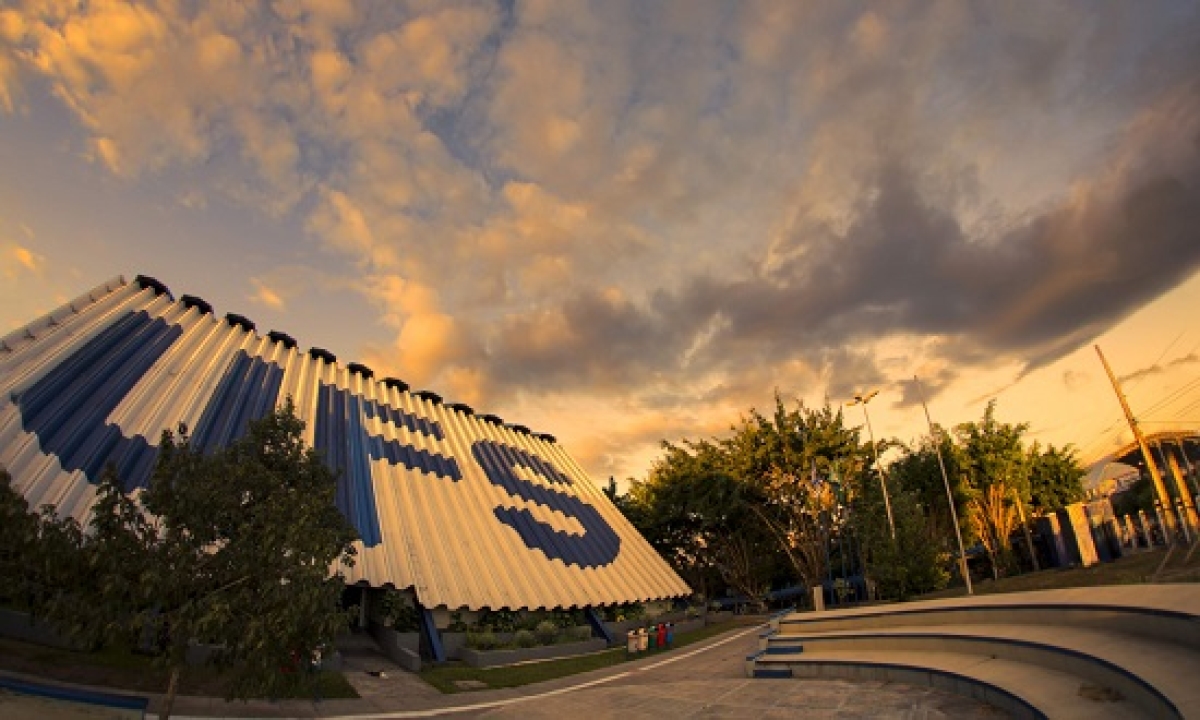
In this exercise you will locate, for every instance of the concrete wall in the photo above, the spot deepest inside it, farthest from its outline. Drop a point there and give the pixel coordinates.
(20, 626)
(404, 649)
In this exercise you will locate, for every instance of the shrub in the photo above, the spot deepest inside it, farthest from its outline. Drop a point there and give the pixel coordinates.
(485, 640)
(525, 639)
(580, 633)
(407, 619)
(546, 632)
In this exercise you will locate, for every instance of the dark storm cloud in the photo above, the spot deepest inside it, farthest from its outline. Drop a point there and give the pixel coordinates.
(905, 264)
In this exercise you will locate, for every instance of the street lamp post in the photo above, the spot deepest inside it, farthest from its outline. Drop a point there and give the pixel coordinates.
(861, 399)
(937, 447)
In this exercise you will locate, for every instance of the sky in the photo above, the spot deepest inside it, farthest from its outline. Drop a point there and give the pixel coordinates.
(628, 222)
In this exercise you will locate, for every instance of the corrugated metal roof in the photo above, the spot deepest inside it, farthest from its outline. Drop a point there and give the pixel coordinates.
(468, 512)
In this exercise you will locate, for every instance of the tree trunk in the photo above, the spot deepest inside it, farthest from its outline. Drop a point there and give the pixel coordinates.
(172, 687)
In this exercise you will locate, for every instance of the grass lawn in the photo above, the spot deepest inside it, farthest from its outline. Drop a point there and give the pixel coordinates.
(123, 670)
(443, 677)
(1128, 570)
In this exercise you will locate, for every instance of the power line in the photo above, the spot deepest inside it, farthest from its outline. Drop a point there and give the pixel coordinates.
(1154, 364)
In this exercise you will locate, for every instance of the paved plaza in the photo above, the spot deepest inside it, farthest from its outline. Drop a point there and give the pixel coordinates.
(705, 680)
(701, 681)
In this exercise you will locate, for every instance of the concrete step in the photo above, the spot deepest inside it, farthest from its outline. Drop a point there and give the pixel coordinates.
(1167, 612)
(1151, 674)
(1021, 689)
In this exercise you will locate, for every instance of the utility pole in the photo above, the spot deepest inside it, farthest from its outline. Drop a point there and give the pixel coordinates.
(861, 399)
(1159, 488)
(937, 447)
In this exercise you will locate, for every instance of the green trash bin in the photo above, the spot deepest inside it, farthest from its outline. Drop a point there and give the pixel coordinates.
(652, 638)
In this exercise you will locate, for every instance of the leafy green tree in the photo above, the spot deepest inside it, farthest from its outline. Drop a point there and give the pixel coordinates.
(991, 454)
(18, 542)
(915, 560)
(798, 460)
(1055, 477)
(993, 515)
(40, 554)
(699, 516)
(234, 549)
(918, 471)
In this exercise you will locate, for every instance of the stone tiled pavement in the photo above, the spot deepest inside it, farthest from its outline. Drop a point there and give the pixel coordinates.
(706, 680)
(699, 681)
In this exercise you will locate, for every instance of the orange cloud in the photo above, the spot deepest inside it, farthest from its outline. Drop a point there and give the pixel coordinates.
(18, 259)
(264, 295)
(430, 345)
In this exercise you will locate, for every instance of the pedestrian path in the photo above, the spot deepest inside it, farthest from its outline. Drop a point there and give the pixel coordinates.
(703, 680)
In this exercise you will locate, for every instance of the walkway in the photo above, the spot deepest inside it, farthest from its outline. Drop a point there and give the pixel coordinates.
(706, 680)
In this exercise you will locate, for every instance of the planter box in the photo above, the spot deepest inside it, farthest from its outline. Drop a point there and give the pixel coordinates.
(453, 643)
(492, 658)
(404, 649)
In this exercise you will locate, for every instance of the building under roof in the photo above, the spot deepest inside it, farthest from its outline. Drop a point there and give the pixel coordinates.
(463, 510)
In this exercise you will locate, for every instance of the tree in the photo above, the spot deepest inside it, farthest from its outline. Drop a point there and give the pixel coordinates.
(994, 518)
(695, 512)
(39, 553)
(912, 562)
(991, 454)
(799, 460)
(1055, 478)
(233, 549)
(18, 541)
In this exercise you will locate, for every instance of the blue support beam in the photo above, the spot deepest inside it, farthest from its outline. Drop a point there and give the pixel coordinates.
(432, 636)
(599, 629)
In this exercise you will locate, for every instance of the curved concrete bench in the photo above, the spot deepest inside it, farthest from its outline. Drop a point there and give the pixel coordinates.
(1089, 652)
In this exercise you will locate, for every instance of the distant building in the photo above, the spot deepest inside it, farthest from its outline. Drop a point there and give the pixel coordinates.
(461, 511)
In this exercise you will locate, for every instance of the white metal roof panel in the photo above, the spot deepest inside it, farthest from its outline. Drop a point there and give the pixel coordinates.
(466, 512)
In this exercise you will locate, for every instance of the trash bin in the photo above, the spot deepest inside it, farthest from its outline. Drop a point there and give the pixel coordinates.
(670, 633)
(652, 637)
(642, 641)
(631, 643)
(662, 635)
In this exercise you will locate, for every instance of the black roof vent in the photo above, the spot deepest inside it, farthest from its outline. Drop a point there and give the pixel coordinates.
(240, 321)
(546, 436)
(283, 338)
(493, 419)
(194, 302)
(519, 428)
(462, 408)
(429, 395)
(360, 369)
(146, 281)
(395, 383)
(323, 354)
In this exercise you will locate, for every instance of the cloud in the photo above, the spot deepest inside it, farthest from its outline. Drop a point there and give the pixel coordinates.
(264, 295)
(1160, 368)
(674, 208)
(429, 343)
(18, 260)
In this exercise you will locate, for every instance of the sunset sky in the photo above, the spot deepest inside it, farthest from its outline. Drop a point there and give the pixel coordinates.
(622, 222)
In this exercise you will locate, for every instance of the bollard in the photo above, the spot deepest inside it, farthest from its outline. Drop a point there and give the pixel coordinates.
(631, 644)
(818, 598)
